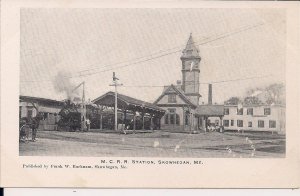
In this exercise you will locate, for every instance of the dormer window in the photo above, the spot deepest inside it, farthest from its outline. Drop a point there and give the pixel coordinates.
(267, 111)
(250, 111)
(172, 98)
(188, 52)
(239, 111)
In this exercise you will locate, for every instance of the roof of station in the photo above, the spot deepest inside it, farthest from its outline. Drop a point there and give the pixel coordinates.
(128, 103)
(40, 100)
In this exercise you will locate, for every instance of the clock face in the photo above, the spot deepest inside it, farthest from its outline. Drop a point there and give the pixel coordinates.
(193, 64)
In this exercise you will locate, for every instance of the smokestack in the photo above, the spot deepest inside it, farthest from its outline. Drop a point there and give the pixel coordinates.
(209, 94)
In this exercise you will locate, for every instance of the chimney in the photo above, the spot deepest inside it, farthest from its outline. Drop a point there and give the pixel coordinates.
(209, 94)
(178, 82)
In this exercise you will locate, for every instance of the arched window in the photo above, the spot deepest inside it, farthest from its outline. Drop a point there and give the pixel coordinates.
(186, 119)
(177, 119)
(172, 119)
(166, 119)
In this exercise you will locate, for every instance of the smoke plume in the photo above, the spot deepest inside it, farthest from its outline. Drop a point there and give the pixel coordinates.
(63, 84)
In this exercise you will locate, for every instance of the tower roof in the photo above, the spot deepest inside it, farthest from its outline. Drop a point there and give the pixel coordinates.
(190, 49)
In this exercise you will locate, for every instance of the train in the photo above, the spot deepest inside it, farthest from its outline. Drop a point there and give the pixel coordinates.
(70, 118)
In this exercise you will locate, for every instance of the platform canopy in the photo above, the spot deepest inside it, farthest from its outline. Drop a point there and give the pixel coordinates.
(39, 100)
(128, 103)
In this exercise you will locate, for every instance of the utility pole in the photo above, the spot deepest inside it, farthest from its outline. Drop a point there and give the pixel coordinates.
(116, 84)
(83, 106)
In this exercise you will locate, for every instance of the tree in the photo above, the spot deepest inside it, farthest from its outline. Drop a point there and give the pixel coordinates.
(272, 94)
(275, 93)
(252, 101)
(232, 101)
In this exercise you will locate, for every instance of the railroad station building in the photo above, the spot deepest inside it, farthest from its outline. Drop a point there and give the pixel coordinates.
(181, 100)
(177, 109)
(48, 108)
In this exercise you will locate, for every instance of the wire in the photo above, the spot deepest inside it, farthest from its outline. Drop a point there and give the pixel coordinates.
(179, 46)
(212, 82)
(130, 60)
(149, 59)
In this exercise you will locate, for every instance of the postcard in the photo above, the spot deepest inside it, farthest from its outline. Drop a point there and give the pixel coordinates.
(165, 94)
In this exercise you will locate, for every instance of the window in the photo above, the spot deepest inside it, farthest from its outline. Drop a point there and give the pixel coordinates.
(186, 119)
(267, 111)
(216, 122)
(226, 111)
(250, 111)
(249, 124)
(200, 122)
(167, 119)
(240, 123)
(177, 119)
(272, 124)
(226, 123)
(29, 113)
(45, 115)
(261, 123)
(172, 98)
(232, 123)
(172, 119)
(240, 111)
(189, 52)
(172, 110)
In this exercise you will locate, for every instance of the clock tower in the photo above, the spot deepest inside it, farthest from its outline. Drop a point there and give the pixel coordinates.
(190, 71)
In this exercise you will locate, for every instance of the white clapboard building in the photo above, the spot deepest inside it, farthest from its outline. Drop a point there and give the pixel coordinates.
(258, 117)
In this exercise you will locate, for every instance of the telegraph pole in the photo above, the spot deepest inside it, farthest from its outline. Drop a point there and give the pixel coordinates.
(83, 106)
(116, 84)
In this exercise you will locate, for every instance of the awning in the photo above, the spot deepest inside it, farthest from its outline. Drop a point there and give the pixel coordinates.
(128, 103)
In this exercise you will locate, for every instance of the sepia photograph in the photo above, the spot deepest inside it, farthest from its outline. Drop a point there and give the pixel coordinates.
(152, 82)
(167, 94)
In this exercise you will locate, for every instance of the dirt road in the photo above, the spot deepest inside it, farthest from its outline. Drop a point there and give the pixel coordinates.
(156, 144)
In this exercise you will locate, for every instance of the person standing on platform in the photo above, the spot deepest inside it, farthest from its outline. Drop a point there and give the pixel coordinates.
(88, 124)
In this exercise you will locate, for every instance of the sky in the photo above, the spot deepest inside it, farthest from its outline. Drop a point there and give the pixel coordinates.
(143, 47)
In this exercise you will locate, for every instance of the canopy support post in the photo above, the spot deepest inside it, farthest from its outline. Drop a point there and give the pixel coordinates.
(134, 119)
(101, 121)
(143, 116)
(151, 122)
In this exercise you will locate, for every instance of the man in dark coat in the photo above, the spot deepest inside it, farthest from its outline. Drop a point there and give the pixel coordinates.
(35, 122)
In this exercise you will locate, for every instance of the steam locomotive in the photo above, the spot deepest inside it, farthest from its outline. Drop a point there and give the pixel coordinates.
(70, 117)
